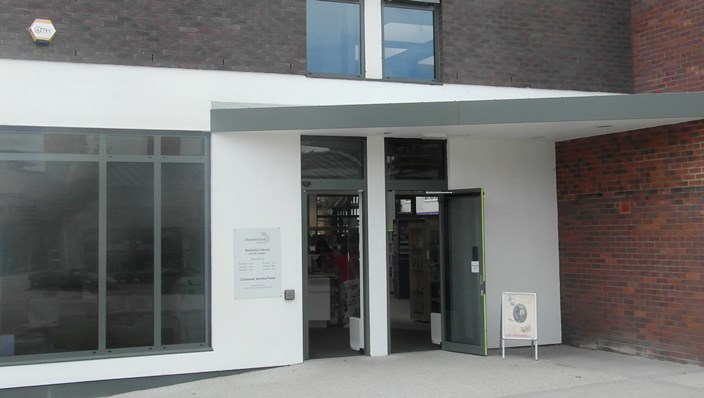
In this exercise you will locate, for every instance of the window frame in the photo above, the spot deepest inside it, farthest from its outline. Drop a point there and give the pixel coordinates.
(438, 184)
(102, 158)
(434, 7)
(362, 70)
(337, 182)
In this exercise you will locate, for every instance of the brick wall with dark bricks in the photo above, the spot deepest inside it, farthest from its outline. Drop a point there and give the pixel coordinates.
(631, 225)
(571, 44)
(567, 44)
(257, 36)
(668, 45)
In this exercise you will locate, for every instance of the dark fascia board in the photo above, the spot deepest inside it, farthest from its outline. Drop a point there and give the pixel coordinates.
(334, 117)
(591, 108)
(461, 113)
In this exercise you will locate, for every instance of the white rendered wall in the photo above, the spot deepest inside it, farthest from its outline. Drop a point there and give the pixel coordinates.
(376, 220)
(252, 172)
(373, 52)
(255, 183)
(60, 94)
(521, 234)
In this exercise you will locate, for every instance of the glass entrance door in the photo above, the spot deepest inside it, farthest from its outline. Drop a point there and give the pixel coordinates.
(333, 273)
(463, 272)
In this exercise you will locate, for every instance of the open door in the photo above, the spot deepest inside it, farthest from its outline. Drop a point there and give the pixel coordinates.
(463, 281)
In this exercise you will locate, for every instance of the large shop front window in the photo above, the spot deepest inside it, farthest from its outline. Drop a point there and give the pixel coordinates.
(334, 37)
(409, 40)
(102, 244)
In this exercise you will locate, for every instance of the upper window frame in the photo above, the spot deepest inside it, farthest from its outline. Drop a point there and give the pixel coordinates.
(415, 184)
(434, 7)
(362, 70)
(336, 183)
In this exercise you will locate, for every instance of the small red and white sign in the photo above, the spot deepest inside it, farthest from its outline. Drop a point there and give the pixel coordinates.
(42, 31)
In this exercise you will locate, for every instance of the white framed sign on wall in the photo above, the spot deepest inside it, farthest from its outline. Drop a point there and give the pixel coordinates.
(257, 263)
(519, 319)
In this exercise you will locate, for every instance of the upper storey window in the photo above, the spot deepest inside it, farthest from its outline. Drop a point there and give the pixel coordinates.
(409, 40)
(334, 37)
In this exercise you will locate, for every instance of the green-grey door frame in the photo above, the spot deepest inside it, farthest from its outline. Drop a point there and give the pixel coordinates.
(477, 288)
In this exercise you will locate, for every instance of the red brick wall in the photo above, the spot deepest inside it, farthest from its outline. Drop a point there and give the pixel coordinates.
(631, 219)
(668, 45)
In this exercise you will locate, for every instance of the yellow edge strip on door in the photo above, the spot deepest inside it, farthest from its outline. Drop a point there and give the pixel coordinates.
(483, 264)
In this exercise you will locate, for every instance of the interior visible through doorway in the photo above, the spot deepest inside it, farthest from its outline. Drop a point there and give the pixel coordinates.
(333, 270)
(414, 272)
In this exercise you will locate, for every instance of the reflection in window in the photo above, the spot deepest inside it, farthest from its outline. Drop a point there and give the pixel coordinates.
(408, 159)
(327, 158)
(49, 143)
(183, 254)
(51, 278)
(48, 257)
(130, 232)
(409, 43)
(334, 37)
(182, 146)
(130, 145)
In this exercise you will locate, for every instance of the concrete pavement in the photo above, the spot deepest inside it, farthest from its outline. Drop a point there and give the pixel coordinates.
(560, 372)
